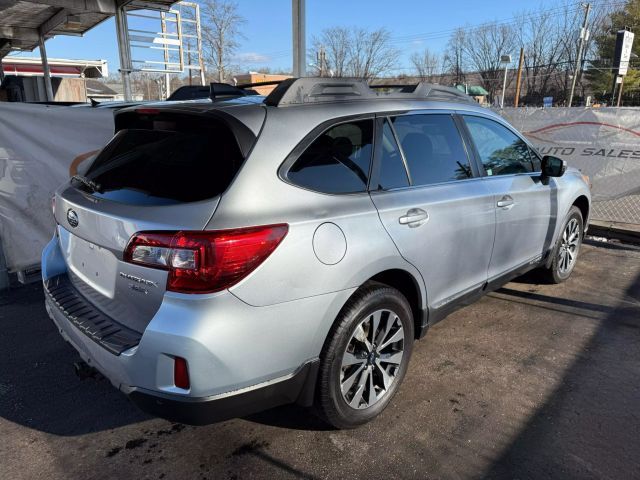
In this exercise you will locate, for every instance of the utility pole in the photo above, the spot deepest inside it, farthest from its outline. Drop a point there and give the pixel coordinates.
(299, 38)
(322, 61)
(519, 78)
(584, 33)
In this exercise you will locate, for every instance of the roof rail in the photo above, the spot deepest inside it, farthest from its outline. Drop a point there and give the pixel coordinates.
(298, 91)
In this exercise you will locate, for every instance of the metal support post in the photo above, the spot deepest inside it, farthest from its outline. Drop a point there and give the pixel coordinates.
(299, 38)
(124, 51)
(199, 44)
(46, 70)
(504, 85)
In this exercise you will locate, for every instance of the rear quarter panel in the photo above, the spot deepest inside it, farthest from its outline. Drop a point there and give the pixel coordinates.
(259, 197)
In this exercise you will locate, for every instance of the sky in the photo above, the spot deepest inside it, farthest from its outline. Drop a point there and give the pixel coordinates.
(413, 25)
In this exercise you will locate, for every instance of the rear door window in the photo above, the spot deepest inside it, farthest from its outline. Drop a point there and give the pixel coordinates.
(171, 162)
(338, 161)
(432, 148)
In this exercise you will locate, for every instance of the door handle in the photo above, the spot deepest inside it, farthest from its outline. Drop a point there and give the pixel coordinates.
(414, 218)
(505, 202)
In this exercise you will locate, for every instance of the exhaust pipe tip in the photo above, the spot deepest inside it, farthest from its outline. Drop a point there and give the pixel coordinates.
(84, 371)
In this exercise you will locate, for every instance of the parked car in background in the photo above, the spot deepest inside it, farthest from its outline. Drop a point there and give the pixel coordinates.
(217, 259)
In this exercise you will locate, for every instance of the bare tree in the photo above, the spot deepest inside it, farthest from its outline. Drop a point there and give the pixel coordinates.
(454, 60)
(540, 37)
(354, 52)
(221, 33)
(483, 48)
(336, 44)
(426, 64)
(371, 53)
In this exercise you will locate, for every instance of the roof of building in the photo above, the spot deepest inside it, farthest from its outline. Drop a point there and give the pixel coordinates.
(60, 67)
(23, 21)
(96, 88)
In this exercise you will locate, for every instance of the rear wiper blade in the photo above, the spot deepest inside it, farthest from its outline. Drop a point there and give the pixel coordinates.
(87, 182)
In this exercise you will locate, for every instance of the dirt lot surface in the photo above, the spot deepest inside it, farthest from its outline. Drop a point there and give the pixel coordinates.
(533, 381)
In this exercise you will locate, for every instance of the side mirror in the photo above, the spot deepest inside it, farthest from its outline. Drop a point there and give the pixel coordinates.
(553, 166)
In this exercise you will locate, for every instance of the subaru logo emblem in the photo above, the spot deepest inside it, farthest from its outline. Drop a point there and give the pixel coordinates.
(72, 218)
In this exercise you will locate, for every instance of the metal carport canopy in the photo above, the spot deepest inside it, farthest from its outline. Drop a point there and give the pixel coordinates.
(26, 24)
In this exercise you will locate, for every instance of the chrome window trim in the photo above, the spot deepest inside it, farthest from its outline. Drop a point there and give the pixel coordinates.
(431, 185)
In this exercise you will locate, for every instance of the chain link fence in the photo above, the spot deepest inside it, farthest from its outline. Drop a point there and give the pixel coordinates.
(623, 210)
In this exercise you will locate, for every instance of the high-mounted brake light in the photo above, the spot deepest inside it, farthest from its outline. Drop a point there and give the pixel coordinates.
(147, 111)
(205, 261)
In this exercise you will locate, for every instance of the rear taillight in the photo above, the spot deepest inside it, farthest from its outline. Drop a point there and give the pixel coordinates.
(201, 261)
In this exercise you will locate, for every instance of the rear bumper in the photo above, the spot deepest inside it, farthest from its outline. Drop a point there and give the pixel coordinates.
(296, 388)
(240, 358)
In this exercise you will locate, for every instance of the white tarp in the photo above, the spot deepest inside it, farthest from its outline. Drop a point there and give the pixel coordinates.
(37, 145)
(603, 143)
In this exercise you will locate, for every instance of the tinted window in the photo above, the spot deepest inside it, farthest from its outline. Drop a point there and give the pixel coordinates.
(168, 163)
(337, 161)
(392, 171)
(502, 152)
(432, 148)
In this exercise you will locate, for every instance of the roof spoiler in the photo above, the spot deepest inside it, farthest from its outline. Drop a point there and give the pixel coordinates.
(217, 89)
(298, 91)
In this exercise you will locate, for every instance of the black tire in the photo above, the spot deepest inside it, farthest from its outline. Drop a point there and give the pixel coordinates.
(555, 273)
(359, 310)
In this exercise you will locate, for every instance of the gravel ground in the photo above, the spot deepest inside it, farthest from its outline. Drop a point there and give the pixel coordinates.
(533, 381)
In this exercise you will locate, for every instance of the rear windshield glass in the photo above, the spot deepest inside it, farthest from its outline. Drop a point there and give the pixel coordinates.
(166, 165)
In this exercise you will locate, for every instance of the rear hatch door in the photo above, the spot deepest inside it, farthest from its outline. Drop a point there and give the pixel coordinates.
(162, 171)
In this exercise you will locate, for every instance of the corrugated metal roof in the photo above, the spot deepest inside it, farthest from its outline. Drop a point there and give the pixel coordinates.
(21, 21)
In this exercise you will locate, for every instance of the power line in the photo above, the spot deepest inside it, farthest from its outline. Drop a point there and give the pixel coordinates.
(551, 12)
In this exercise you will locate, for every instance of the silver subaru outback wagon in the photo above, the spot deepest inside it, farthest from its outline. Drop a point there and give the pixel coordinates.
(215, 260)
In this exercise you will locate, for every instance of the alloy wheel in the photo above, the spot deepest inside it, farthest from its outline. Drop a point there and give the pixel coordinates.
(372, 358)
(568, 251)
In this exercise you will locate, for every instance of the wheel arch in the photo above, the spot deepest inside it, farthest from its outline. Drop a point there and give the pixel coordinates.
(407, 284)
(582, 202)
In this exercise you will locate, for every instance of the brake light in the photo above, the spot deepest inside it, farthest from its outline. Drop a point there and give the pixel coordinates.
(205, 261)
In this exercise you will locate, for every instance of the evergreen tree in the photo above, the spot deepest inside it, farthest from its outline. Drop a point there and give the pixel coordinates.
(600, 70)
